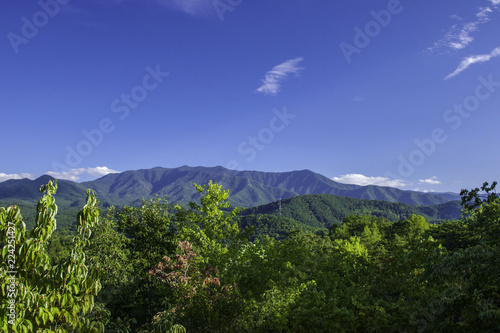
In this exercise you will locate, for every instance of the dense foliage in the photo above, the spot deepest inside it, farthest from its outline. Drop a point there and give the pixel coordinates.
(202, 268)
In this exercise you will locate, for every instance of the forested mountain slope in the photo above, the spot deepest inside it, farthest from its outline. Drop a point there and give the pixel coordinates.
(323, 210)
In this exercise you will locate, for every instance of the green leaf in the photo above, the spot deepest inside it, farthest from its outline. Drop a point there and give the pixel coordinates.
(55, 311)
(51, 316)
(29, 324)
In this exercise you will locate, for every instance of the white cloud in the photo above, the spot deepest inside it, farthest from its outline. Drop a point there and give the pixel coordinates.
(484, 13)
(432, 181)
(73, 174)
(5, 176)
(76, 174)
(419, 190)
(100, 171)
(459, 35)
(272, 81)
(495, 2)
(471, 60)
(358, 179)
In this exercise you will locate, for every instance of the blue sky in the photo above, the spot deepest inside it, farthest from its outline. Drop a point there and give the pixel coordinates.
(394, 93)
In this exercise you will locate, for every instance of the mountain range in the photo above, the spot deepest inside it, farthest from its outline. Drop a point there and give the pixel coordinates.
(246, 188)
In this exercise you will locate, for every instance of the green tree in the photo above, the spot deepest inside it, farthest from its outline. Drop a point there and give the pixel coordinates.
(462, 285)
(481, 214)
(41, 296)
(211, 230)
(214, 256)
(108, 251)
(370, 230)
(462, 292)
(150, 235)
(201, 302)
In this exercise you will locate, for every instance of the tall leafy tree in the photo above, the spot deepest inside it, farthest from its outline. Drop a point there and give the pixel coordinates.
(465, 285)
(149, 231)
(109, 252)
(37, 295)
(202, 276)
(211, 230)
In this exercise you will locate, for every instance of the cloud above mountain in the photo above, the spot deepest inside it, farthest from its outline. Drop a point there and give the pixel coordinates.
(77, 173)
(432, 181)
(5, 176)
(359, 179)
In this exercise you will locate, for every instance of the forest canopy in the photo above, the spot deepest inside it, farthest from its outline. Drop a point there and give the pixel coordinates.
(204, 268)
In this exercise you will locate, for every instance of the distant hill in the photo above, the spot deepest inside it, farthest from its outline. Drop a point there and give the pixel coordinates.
(324, 210)
(246, 188)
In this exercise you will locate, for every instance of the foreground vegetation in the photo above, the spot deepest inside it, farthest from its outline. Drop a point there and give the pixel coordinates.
(149, 269)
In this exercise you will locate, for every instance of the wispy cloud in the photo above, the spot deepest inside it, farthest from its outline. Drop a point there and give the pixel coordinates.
(459, 35)
(272, 81)
(5, 176)
(76, 174)
(471, 60)
(432, 181)
(359, 179)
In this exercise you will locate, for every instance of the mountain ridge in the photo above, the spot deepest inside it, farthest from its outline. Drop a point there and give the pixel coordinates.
(246, 188)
